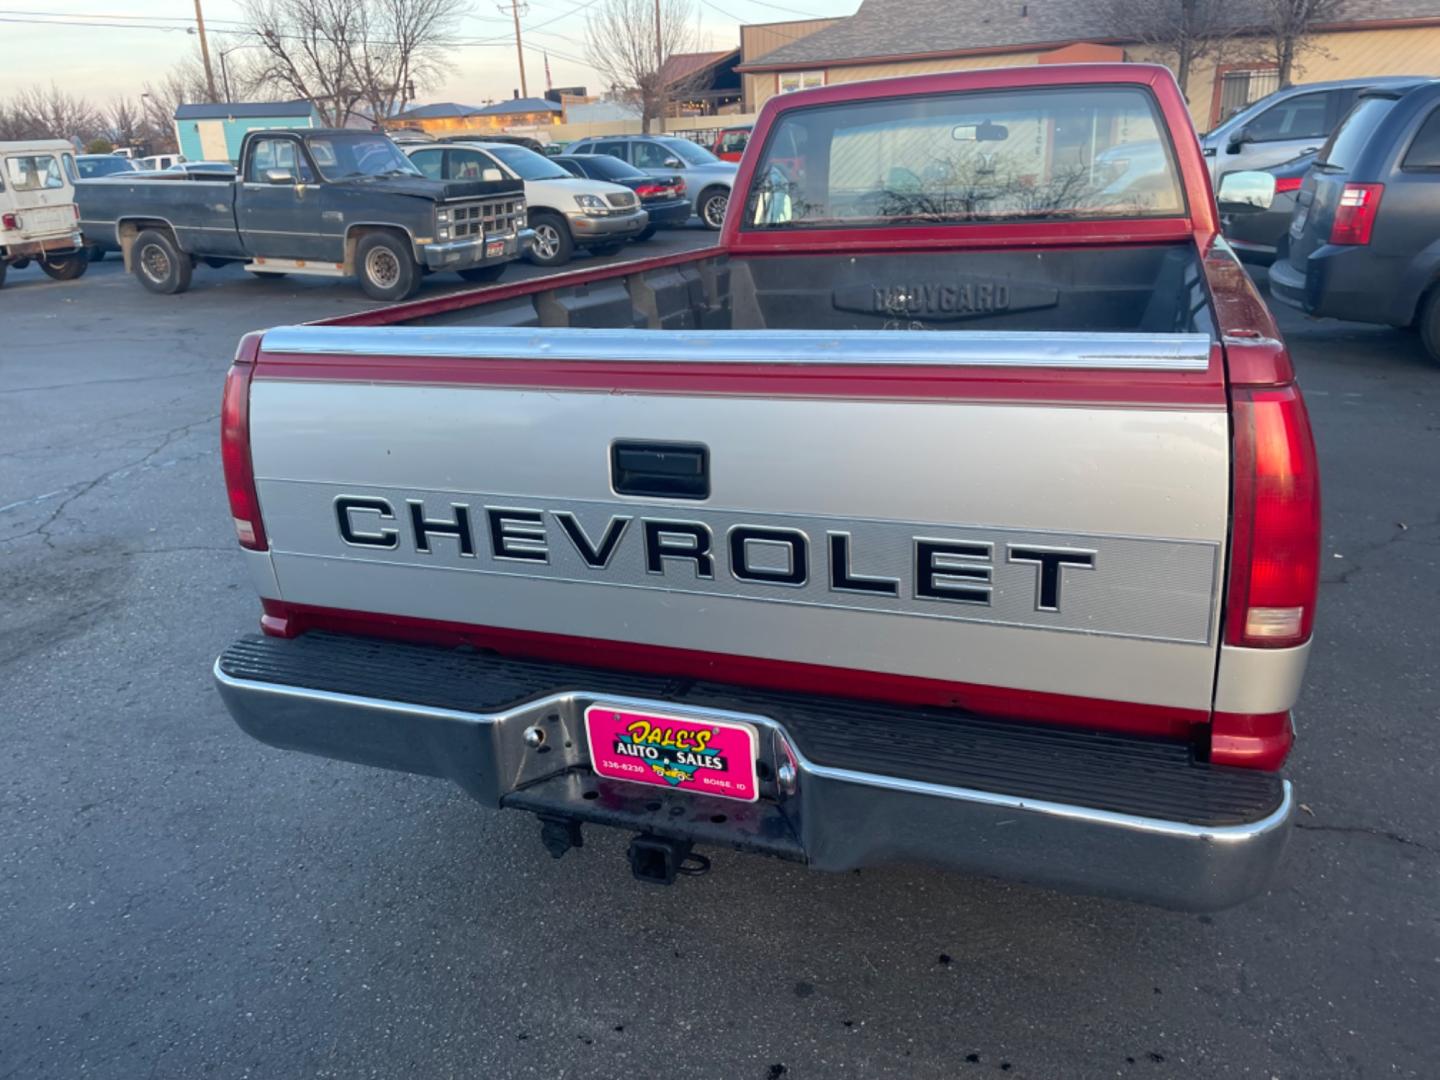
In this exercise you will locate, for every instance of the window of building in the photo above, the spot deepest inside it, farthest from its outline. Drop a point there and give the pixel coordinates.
(1239, 89)
(799, 80)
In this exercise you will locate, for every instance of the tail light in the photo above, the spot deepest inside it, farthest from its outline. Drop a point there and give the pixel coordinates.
(235, 448)
(1275, 541)
(1355, 215)
(1286, 184)
(10, 221)
(647, 191)
(679, 187)
(76, 208)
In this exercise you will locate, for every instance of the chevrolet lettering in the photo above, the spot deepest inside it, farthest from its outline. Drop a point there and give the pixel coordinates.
(960, 508)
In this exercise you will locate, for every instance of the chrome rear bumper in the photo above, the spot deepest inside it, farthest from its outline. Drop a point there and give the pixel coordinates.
(833, 818)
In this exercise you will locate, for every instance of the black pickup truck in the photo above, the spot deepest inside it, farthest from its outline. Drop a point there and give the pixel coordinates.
(313, 201)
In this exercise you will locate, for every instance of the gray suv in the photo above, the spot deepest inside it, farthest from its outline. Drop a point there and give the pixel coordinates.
(1295, 120)
(708, 180)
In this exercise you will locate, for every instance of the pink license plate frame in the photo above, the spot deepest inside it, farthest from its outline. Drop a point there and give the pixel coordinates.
(679, 753)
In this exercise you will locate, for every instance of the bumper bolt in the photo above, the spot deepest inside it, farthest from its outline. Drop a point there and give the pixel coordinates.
(534, 737)
(785, 778)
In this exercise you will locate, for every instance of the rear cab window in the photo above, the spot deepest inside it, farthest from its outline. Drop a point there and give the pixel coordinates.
(989, 156)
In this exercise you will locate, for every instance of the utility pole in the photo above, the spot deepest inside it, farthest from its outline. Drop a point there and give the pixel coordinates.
(205, 52)
(659, 63)
(515, 8)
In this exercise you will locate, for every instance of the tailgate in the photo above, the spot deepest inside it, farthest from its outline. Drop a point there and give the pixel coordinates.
(1022, 514)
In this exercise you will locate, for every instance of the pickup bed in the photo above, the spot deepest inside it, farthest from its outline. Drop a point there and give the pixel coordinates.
(312, 201)
(960, 506)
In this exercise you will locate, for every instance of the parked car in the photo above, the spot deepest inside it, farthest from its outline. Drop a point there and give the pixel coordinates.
(707, 178)
(93, 165)
(1259, 235)
(717, 549)
(564, 211)
(663, 197)
(38, 219)
(206, 168)
(310, 201)
(1364, 238)
(1295, 120)
(526, 141)
(729, 143)
(159, 162)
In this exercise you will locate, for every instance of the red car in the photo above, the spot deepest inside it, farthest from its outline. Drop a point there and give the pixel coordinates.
(729, 143)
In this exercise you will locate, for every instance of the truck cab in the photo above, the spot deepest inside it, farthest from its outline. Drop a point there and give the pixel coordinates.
(38, 219)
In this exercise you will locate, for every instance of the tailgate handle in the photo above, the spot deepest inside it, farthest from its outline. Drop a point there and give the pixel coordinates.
(663, 469)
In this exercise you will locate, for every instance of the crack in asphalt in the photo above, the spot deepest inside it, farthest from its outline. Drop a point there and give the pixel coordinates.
(1400, 532)
(98, 382)
(1369, 830)
(84, 487)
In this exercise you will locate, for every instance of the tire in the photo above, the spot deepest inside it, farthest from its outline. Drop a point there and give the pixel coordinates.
(606, 249)
(711, 207)
(159, 264)
(646, 233)
(1429, 324)
(483, 274)
(67, 267)
(386, 267)
(553, 245)
(95, 253)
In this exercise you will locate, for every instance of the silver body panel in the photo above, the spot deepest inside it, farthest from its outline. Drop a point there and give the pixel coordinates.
(1146, 489)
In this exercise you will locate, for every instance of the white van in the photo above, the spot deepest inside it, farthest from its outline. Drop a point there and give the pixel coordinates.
(38, 218)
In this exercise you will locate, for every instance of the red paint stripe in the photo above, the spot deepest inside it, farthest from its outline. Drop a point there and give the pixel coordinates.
(283, 619)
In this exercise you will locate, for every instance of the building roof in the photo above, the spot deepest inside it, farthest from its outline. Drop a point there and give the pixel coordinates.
(681, 66)
(436, 111)
(904, 28)
(519, 105)
(243, 110)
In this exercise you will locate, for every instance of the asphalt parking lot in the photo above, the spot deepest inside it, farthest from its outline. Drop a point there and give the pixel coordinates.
(180, 901)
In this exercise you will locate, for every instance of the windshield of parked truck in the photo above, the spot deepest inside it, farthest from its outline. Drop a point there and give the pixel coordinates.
(34, 172)
(345, 157)
(1012, 155)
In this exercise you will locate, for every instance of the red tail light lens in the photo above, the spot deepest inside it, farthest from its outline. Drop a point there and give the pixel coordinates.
(10, 221)
(679, 187)
(1355, 216)
(235, 456)
(1287, 184)
(646, 191)
(1275, 553)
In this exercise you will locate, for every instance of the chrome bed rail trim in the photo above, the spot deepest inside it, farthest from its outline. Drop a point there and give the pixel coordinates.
(970, 348)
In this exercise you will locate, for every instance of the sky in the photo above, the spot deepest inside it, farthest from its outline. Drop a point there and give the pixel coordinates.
(141, 39)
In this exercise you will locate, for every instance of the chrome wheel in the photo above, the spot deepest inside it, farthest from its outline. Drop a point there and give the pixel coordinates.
(382, 268)
(155, 263)
(546, 244)
(714, 210)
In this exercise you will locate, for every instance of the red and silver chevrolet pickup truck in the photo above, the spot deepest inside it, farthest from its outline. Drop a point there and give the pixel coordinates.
(959, 507)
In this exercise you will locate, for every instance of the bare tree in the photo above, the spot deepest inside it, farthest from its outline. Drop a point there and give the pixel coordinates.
(1287, 31)
(405, 49)
(126, 122)
(341, 54)
(1185, 32)
(182, 84)
(37, 113)
(620, 44)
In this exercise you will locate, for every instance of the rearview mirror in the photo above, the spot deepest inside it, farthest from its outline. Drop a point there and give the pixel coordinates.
(984, 132)
(279, 176)
(1246, 192)
(491, 175)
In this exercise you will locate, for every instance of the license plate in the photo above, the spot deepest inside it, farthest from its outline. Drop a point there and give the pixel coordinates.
(494, 248)
(705, 757)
